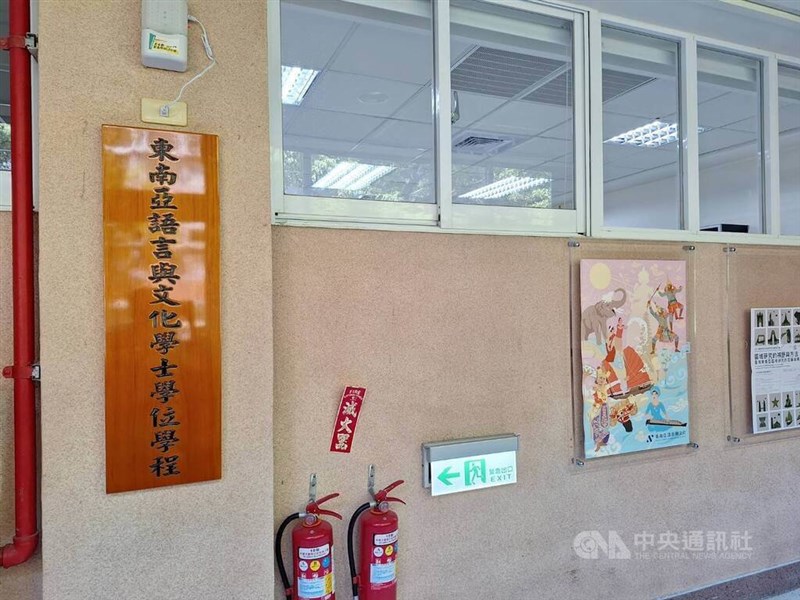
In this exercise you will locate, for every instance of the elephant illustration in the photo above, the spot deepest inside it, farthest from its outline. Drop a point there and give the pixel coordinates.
(594, 318)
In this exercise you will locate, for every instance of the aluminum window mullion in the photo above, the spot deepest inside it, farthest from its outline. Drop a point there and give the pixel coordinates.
(771, 129)
(690, 151)
(596, 197)
(442, 112)
(275, 107)
(581, 120)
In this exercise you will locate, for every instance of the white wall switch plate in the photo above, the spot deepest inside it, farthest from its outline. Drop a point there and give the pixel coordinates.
(151, 112)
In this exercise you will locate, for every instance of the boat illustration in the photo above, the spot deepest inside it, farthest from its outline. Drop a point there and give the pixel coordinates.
(637, 379)
(666, 422)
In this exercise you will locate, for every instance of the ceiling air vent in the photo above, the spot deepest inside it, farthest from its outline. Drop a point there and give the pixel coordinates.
(471, 142)
(616, 83)
(500, 73)
(558, 91)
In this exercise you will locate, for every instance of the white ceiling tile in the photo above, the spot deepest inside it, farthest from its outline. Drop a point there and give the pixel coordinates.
(419, 108)
(750, 126)
(370, 153)
(463, 160)
(341, 92)
(611, 172)
(523, 118)
(403, 134)
(473, 107)
(557, 170)
(315, 145)
(540, 148)
(789, 117)
(389, 52)
(513, 162)
(726, 109)
(717, 139)
(289, 112)
(332, 125)
(563, 131)
(707, 91)
(299, 25)
(639, 158)
(651, 100)
(788, 102)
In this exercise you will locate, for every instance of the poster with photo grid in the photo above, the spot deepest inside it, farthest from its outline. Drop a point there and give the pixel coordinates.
(775, 368)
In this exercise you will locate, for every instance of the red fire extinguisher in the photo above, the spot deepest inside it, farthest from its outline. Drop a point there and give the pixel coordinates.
(377, 550)
(312, 550)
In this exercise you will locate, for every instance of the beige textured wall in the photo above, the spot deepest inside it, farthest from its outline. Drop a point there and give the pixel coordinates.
(458, 336)
(203, 541)
(23, 581)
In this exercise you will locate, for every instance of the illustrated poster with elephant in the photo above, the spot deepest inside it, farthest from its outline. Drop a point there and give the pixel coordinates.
(634, 353)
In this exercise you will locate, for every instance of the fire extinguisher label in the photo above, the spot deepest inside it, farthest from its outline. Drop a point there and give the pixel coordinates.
(308, 589)
(385, 573)
(384, 539)
(383, 567)
(316, 581)
(314, 553)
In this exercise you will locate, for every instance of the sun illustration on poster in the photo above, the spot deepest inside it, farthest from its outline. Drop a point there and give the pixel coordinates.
(600, 276)
(634, 352)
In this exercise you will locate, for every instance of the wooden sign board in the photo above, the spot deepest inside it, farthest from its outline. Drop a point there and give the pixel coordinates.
(161, 227)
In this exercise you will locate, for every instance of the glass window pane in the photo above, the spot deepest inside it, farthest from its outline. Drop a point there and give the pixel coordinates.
(729, 114)
(357, 104)
(641, 131)
(512, 107)
(789, 125)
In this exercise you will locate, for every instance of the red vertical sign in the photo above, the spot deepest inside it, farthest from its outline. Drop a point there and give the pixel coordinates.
(344, 428)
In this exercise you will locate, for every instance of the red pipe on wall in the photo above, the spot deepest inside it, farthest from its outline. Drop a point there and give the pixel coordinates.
(26, 538)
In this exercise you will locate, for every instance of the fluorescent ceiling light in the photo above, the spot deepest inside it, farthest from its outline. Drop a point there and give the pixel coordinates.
(295, 82)
(505, 187)
(352, 176)
(652, 135)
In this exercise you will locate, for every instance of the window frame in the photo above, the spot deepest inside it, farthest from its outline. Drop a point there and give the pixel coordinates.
(774, 150)
(770, 195)
(445, 216)
(491, 219)
(688, 44)
(688, 169)
(289, 208)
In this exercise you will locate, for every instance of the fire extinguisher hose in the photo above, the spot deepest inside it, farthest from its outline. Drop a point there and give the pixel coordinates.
(350, 555)
(279, 555)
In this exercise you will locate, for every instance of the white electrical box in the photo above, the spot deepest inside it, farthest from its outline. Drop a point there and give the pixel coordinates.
(164, 31)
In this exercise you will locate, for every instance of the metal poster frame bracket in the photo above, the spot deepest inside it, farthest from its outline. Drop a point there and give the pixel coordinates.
(737, 304)
(611, 249)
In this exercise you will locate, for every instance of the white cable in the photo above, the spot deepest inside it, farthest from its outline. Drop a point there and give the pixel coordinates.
(209, 55)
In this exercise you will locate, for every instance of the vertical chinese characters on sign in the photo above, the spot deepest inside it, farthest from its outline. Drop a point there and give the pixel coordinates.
(344, 426)
(634, 347)
(164, 226)
(161, 238)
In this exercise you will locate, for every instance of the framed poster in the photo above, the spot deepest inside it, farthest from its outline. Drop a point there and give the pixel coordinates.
(634, 379)
(162, 296)
(775, 368)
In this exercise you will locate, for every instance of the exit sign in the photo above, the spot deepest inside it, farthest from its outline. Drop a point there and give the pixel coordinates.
(469, 473)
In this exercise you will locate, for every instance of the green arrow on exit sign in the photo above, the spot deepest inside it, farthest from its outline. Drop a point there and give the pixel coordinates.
(445, 476)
